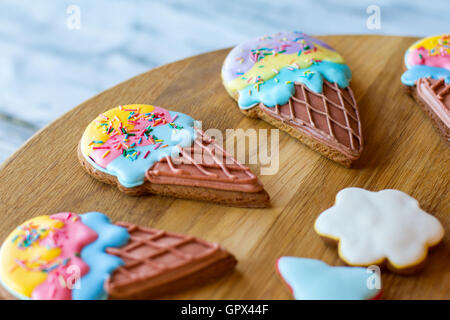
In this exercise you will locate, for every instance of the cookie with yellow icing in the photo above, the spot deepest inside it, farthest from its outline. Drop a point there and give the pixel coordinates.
(68, 256)
(147, 149)
(427, 79)
(302, 86)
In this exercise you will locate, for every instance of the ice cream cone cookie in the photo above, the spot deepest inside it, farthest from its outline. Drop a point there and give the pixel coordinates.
(427, 79)
(146, 149)
(302, 86)
(385, 228)
(310, 279)
(68, 256)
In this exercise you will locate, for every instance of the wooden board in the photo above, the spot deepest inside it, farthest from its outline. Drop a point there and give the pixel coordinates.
(402, 151)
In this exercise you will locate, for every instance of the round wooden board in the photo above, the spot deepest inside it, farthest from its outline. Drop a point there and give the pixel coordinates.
(402, 151)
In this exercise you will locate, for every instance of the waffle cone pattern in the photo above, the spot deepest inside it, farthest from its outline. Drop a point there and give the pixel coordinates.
(330, 117)
(159, 263)
(204, 164)
(434, 96)
(439, 87)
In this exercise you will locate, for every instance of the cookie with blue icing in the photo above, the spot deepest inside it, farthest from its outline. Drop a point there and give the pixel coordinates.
(310, 279)
(147, 149)
(68, 256)
(302, 86)
(427, 79)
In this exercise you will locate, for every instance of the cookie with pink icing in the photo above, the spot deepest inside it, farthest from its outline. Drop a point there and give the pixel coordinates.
(427, 79)
(60, 257)
(146, 149)
(68, 256)
(380, 228)
(301, 85)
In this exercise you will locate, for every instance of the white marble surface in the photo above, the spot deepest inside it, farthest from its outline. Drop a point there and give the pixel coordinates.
(46, 69)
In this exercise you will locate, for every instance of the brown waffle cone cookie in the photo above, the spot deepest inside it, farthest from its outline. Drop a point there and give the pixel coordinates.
(218, 177)
(145, 149)
(328, 122)
(201, 171)
(153, 263)
(300, 85)
(158, 263)
(433, 96)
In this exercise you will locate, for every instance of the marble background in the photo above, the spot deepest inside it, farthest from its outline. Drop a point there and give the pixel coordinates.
(46, 68)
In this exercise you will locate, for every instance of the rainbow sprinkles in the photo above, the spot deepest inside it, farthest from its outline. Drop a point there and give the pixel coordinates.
(128, 140)
(265, 69)
(62, 257)
(428, 58)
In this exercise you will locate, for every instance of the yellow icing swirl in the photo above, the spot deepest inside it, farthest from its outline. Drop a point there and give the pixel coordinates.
(431, 42)
(114, 117)
(268, 67)
(13, 258)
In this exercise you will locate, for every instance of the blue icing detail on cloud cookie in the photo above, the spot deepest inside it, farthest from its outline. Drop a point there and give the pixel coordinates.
(101, 264)
(280, 88)
(311, 279)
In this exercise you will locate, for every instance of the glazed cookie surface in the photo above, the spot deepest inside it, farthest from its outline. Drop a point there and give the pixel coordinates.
(310, 279)
(428, 58)
(378, 228)
(67, 256)
(128, 140)
(301, 85)
(147, 149)
(427, 79)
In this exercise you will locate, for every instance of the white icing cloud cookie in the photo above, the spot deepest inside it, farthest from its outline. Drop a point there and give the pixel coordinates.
(374, 226)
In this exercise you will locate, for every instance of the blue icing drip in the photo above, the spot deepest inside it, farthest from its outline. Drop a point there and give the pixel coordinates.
(132, 173)
(101, 264)
(272, 92)
(415, 72)
(420, 71)
(314, 279)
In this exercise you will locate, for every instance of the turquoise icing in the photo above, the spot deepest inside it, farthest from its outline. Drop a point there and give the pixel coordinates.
(101, 264)
(410, 76)
(132, 173)
(312, 279)
(272, 92)
(414, 73)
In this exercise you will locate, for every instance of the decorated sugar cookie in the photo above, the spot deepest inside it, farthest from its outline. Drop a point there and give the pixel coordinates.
(310, 279)
(85, 257)
(147, 149)
(302, 86)
(380, 228)
(427, 79)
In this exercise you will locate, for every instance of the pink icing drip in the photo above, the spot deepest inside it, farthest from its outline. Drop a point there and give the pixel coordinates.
(439, 60)
(71, 239)
(139, 126)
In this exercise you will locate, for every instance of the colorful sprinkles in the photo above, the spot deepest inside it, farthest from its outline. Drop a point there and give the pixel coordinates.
(127, 140)
(29, 234)
(258, 54)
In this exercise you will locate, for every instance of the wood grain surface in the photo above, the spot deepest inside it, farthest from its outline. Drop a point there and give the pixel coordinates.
(402, 151)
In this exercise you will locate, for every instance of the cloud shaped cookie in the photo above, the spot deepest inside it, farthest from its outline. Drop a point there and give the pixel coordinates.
(380, 227)
(311, 279)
